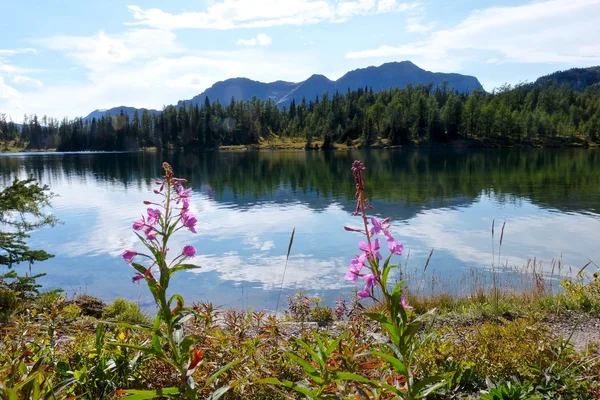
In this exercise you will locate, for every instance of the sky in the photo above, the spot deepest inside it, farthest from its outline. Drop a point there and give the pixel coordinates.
(66, 58)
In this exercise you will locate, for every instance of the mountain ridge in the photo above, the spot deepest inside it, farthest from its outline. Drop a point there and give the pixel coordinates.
(383, 77)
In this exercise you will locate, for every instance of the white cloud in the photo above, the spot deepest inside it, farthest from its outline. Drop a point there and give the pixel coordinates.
(141, 68)
(261, 39)
(103, 51)
(26, 80)
(6, 91)
(229, 14)
(551, 31)
(12, 52)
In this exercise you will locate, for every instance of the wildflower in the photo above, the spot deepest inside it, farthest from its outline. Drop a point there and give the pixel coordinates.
(371, 250)
(379, 226)
(182, 194)
(405, 304)
(356, 266)
(149, 231)
(137, 278)
(189, 221)
(153, 216)
(189, 251)
(395, 247)
(128, 256)
(137, 225)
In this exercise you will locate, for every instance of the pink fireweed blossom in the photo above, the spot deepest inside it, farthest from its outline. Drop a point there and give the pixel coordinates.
(356, 265)
(137, 278)
(372, 250)
(182, 194)
(138, 225)
(189, 251)
(405, 304)
(189, 221)
(128, 256)
(379, 226)
(370, 282)
(395, 247)
(153, 216)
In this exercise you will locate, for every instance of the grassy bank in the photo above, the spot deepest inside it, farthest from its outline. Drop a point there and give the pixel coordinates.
(494, 344)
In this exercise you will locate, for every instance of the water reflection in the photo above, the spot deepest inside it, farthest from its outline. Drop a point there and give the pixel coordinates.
(249, 202)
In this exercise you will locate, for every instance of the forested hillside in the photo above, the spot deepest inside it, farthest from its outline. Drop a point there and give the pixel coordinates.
(415, 114)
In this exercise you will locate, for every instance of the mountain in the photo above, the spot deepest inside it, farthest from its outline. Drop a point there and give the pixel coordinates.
(386, 76)
(575, 78)
(117, 110)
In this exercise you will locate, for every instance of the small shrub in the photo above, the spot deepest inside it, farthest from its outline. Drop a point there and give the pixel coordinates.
(321, 314)
(8, 304)
(90, 305)
(45, 300)
(125, 311)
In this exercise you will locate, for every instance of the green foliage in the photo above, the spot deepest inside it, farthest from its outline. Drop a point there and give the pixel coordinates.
(90, 305)
(25, 286)
(126, 311)
(545, 114)
(510, 391)
(8, 304)
(21, 206)
(582, 293)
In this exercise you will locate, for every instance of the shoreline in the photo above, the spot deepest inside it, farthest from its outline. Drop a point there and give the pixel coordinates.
(279, 145)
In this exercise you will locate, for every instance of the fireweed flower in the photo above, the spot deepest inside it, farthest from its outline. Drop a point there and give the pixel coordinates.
(182, 194)
(371, 250)
(371, 256)
(153, 216)
(138, 225)
(395, 247)
(189, 251)
(128, 256)
(405, 304)
(379, 226)
(189, 221)
(137, 278)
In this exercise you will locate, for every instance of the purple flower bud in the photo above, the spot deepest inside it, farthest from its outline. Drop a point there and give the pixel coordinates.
(137, 225)
(137, 277)
(128, 256)
(189, 251)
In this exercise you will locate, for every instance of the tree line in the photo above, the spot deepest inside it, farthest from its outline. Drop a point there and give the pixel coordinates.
(415, 114)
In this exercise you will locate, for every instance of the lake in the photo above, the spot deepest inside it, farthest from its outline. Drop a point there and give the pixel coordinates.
(248, 203)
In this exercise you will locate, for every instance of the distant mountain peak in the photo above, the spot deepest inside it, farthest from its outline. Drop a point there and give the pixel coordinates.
(386, 76)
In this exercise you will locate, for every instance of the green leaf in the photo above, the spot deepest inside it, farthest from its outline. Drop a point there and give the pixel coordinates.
(398, 288)
(310, 370)
(290, 385)
(183, 267)
(220, 372)
(139, 268)
(333, 345)
(218, 393)
(150, 394)
(312, 353)
(348, 376)
(129, 326)
(379, 317)
(321, 346)
(396, 363)
(156, 344)
(426, 386)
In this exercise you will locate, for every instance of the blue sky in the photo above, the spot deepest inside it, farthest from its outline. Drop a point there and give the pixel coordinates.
(67, 58)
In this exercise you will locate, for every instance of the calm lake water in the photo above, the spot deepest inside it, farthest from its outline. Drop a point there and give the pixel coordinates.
(249, 202)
